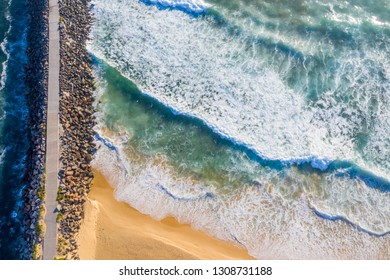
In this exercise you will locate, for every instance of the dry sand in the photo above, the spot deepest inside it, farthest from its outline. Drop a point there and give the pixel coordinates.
(113, 230)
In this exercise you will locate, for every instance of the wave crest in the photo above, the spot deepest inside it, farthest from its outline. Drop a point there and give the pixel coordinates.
(190, 6)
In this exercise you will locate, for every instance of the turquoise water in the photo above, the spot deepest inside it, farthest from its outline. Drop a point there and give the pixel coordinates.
(191, 148)
(262, 123)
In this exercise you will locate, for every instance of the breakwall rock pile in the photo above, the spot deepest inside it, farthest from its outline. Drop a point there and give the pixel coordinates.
(36, 80)
(77, 122)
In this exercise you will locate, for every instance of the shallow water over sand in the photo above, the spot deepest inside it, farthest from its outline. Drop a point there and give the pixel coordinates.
(260, 123)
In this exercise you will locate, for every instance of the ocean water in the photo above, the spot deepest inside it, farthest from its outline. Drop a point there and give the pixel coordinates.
(13, 125)
(259, 122)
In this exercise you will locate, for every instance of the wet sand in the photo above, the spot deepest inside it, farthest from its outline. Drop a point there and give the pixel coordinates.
(113, 230)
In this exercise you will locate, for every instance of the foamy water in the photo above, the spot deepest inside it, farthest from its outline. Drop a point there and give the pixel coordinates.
(4, 65)
(234, 91)
(289, 96)
(262, 221)
(191, 6)
(3, 48)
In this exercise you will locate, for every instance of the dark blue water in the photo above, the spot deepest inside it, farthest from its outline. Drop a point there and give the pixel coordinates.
(14, 129)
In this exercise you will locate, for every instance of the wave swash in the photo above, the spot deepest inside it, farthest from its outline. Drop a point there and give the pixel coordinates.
(266, 124)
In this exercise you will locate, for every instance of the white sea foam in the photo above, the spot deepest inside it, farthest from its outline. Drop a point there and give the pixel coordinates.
(354, 14)
(4, 65)
(3, 46)
(260, 219)
(200, 71)
(351, 200)
(2, 154)
(192, 6)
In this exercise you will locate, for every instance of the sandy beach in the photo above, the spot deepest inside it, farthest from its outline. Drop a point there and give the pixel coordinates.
(114, 230)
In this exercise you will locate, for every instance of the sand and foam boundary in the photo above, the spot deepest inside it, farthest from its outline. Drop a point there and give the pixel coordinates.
(114, 230)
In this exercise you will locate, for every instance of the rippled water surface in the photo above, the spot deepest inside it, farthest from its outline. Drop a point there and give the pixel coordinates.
(14, 128)
(260, 122)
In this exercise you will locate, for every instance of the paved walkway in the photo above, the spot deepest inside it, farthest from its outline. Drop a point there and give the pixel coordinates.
(52, 144)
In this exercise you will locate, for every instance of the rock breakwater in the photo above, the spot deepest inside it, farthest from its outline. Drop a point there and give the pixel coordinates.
(36, 81)
(77, 122)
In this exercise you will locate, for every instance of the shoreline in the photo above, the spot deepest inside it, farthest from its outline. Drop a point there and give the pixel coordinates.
(114, 230)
